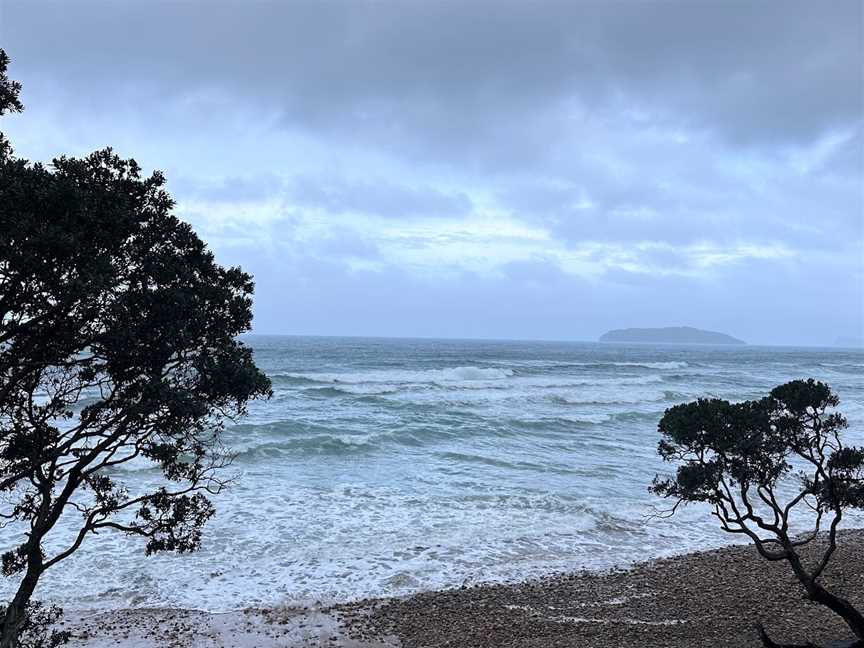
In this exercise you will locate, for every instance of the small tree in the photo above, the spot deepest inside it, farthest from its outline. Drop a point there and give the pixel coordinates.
(9, 101)
(117, 343)
(735, 456)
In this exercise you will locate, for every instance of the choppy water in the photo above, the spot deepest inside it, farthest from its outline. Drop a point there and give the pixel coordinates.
(387, 466)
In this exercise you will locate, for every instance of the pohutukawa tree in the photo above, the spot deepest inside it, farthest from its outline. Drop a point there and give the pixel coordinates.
(118, 342)
(759, 464)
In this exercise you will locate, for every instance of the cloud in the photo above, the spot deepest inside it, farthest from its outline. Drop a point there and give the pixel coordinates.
(755, 72)
(334, 194)
(538, 271)
(347, 245)
(325, 297)
(376, 197)
(231, 189)
(636, 157)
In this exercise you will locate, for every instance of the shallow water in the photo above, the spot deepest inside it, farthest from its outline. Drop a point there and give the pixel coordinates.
(386, 466)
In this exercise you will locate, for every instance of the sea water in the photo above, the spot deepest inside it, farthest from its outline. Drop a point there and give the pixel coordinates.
(387, 466)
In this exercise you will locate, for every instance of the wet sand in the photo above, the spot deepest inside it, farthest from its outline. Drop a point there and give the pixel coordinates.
(706, 599)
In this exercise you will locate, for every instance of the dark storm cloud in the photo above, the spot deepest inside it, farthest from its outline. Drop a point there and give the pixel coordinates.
(457, 77)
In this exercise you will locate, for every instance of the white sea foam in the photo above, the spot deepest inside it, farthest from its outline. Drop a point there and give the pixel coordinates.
(553, 364)
(464, 378)
(587, 417)
(398, 376)
(653, 365)
(450, 375)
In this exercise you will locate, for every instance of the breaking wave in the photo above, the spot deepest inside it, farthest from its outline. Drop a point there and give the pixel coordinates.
(398, 376)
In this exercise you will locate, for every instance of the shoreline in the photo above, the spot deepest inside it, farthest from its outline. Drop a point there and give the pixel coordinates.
(707, 598)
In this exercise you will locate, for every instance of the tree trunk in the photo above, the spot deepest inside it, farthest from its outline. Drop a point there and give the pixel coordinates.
(16, 612)
(853, 618)
(768, 643)
(818, 594)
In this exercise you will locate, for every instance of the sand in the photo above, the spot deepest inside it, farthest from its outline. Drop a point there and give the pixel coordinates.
(698, 600)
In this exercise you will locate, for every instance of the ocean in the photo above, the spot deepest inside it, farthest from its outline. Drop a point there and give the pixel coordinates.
(387, 466)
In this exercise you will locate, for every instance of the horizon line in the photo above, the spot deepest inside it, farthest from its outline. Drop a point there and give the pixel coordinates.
(551, 340)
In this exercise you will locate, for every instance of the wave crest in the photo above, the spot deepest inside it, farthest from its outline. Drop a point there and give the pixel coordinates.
(402, 377)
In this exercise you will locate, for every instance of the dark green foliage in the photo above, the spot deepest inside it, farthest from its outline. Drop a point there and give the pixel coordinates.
(733, 447)
(737, 457)
(9, 102)
(736, 440)
(118, 341)
(108, 295)
(9, 90)
(36, 631)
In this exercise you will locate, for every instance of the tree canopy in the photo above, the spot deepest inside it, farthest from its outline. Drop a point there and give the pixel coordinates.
(761, 463)
(118, 342)
(9, 101)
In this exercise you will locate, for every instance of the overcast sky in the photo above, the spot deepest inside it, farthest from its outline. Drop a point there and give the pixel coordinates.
(484, 169)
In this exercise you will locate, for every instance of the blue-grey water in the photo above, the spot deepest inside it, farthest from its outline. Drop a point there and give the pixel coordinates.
(385, 466)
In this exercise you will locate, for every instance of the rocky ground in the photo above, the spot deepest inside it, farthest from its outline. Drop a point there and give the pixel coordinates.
(307, 627)
(698, 600)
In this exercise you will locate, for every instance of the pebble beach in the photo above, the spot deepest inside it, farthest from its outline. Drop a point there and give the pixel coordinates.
(698, 600)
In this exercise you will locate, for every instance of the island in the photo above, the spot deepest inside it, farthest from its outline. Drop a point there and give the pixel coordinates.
(669, 335)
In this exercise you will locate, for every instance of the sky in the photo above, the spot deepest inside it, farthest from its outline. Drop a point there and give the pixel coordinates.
(521, 170)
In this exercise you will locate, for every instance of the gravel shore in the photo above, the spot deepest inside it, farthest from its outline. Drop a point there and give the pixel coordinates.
(704, 599)
(707, 599)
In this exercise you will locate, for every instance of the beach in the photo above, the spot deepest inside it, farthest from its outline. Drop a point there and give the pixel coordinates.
(711, 598)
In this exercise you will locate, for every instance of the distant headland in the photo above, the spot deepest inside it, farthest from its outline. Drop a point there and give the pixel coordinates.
(669, 335)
